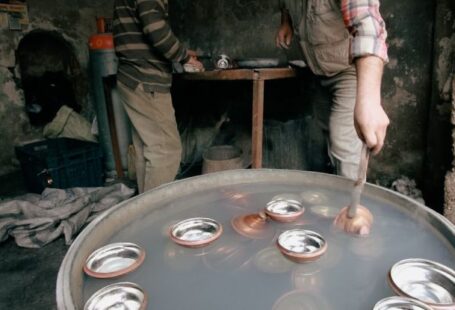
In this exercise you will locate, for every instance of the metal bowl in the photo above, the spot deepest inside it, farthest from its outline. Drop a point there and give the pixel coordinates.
(114, 259)
(196, 232)
(425, 280)
(400, 303)
(301, 245)
(284, 208)
(123, 295)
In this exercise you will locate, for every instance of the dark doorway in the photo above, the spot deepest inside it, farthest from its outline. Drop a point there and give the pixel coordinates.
(49, 72)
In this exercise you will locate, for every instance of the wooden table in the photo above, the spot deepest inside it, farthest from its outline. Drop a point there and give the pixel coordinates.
(258, 76)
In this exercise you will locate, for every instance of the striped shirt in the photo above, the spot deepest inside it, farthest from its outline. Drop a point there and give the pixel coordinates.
(145, 44)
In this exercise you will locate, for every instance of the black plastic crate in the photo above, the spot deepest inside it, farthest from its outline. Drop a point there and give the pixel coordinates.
(61, 163)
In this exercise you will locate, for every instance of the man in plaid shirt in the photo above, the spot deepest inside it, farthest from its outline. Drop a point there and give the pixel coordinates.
(343, 43)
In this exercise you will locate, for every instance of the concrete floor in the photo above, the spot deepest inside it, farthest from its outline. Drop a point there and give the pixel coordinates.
(28, 277)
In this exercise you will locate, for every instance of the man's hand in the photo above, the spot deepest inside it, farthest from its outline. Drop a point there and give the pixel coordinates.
(196, 64)
(192, 53)
(283, 37)
(370, 119)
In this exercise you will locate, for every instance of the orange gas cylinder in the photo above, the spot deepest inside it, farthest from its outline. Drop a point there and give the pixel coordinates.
(101, 41)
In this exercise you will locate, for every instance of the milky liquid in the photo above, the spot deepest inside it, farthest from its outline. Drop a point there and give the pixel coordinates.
(240, 273)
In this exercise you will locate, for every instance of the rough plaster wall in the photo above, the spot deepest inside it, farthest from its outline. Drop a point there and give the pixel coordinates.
(246, 28)
(439, 154)
(238, 28)
(449, 192)
(75, 20)
(406, 89)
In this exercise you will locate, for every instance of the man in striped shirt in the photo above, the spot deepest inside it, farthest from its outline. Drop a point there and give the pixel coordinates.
(343, 43)
(146, 48)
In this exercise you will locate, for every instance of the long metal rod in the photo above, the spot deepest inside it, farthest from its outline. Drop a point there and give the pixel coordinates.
(258, 118)
(360, 182)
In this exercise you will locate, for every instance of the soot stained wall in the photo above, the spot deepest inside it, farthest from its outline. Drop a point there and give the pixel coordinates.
(247, 29)
(75, 21)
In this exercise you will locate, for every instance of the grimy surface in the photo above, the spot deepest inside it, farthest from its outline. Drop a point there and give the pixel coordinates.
(240, 273)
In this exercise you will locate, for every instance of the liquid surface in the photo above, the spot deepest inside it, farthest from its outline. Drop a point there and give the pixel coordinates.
(239, 273)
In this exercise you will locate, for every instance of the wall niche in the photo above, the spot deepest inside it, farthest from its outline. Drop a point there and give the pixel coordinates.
(50, 75)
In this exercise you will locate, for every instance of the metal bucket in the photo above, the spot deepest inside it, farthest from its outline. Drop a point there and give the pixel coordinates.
(417, 230)
(220, 158)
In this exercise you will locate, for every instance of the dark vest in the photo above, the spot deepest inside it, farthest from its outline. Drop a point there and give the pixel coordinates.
(324, 39)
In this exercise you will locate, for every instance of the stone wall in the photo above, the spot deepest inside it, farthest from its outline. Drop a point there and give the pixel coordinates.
(75, 22)
(246, 28)
(421, 44)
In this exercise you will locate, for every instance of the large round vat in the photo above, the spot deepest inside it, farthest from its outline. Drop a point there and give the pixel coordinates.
(237, 272)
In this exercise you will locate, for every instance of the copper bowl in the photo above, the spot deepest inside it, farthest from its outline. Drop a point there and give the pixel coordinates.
(301, 245)
(398, 302)
(427, 281)
(252, 226)
(284, 208)
(114, 260)
(195, 232)
(123, 295)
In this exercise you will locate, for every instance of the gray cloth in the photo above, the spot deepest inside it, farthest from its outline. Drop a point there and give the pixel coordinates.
(35, 220)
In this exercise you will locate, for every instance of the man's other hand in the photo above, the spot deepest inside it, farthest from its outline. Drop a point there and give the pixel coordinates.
(284, 36)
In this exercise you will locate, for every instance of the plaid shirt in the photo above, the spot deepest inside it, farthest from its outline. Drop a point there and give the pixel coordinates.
(364, 22)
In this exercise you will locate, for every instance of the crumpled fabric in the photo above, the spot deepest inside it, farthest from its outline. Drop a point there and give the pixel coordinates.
(35, 220)
(69, 124)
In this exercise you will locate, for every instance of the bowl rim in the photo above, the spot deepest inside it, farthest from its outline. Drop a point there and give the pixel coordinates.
(404, 299)
(105, 275)
(303, 256)
(119, 285)
(196, 243)
(400, 292)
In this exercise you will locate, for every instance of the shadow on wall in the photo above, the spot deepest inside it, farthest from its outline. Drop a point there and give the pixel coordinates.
(50, 74)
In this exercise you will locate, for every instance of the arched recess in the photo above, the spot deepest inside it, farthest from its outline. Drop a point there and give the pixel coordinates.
(50, 74)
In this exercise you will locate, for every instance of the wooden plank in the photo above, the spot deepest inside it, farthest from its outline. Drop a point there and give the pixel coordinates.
(258, 118)
(276, 73)
(233, 74)
(240, 74)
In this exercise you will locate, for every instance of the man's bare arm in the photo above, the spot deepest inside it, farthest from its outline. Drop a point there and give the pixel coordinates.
(370, 119)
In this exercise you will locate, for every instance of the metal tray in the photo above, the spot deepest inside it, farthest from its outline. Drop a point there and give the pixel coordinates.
(257, 62)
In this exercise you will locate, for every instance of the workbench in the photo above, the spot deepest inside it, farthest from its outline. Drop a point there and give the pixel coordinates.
(258, 76)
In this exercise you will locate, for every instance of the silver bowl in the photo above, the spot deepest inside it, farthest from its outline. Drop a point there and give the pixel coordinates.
(196, 232)
(114, 260)
(284, 208)
(301, 245)
(427, 281)
(123, 295)
(400, 303)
